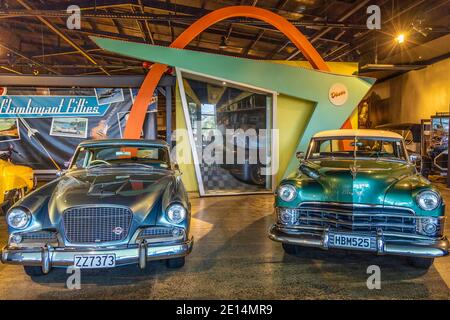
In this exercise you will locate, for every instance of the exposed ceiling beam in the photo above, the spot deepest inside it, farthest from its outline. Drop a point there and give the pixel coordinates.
(87, 66)
(212, 30)
(32, 61)
(146, 24)
(64, 53)
(359, 5)
(143, 25)
(62, 35)
(152, 4)
(354, 46)
(10, 70)
(249, 47)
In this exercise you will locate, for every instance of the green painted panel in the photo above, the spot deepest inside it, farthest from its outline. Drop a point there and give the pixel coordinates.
(303, 83)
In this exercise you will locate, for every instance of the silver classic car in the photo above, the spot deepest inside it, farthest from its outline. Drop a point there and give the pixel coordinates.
(120, 202)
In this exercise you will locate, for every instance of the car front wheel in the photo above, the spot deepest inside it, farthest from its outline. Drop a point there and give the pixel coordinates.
(421, 263)
(33, 271)
(176, 263)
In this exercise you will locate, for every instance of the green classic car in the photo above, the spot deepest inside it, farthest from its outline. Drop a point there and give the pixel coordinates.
(359, 190)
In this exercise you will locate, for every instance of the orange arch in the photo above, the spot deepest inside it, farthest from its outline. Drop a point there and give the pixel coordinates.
(139, 109)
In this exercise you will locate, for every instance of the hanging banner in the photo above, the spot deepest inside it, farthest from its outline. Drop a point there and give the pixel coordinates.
(53, 106)
(45, 130)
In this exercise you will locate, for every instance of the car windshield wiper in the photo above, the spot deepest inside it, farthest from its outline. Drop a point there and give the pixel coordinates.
(137, 164)
(98, 166)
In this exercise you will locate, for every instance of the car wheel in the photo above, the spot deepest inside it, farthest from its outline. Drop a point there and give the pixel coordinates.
(33, 271)
(290, 248)
(256, 177)
(175, 263)
(421, 263)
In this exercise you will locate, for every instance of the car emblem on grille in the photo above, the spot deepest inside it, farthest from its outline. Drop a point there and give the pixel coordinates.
(354, 171)
(117, 231)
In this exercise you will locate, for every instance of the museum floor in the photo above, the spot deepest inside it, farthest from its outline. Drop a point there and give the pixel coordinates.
(234, 259)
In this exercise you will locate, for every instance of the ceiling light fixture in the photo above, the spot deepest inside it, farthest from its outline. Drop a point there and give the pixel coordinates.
(400, 38)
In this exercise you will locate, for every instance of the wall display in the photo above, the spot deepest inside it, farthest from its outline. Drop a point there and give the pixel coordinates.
(153, 105)
(34, 106)
(338, 94)
(9, 130)
(364, 115)
(435, 154)
(51, 126)
(122, 118)
(69, 127)
(109, 95)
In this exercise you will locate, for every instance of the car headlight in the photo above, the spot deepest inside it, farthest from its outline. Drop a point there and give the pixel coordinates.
(176, 213)
(287, 192)
(430, 226)
(18, 218)
(428, 200)
(288, 216)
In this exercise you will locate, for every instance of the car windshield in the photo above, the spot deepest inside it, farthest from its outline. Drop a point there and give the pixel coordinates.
(351, 147)
(142, 156)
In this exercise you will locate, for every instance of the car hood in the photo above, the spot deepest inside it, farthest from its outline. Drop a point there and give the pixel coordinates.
(139, 190)
(350, 181)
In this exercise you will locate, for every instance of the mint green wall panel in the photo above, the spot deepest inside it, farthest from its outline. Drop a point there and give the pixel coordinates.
(302, 83)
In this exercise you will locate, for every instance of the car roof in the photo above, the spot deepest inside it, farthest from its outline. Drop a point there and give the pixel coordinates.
(120, 142)
(358, 133)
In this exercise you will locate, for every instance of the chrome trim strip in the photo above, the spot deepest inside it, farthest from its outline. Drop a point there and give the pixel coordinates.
(49, 257)
(354, 224)
(344, 213)
(295, 229)
(357, 205)
(45, 259)
(431, 249)
(380, 242)
(142, 254)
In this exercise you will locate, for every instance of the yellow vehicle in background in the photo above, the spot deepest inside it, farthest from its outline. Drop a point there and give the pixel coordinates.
(15, 180)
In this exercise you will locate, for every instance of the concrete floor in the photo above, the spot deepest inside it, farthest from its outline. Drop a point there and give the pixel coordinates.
(234, 259)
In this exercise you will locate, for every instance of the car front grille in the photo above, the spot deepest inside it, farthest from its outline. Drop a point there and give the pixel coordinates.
(159, 233)
(348, 217)
(39, 235)
(96, 224)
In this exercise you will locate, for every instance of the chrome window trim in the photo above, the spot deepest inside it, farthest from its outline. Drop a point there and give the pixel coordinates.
(357, 205)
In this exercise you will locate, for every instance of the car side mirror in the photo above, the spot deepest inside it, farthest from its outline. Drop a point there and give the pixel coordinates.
(300, 156)
(414, 157)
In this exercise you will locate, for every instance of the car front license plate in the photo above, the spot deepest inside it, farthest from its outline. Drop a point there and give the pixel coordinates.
(94, 261)
(342, 240)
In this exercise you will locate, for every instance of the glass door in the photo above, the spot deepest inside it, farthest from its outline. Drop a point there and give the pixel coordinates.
(231, 128)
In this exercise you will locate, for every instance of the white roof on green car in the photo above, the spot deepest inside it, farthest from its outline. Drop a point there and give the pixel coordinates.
(360, 133)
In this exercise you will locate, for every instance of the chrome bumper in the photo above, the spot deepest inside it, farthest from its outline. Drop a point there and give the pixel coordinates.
(48, 257)
(386, 243)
